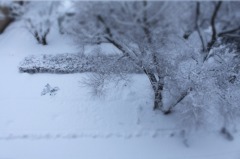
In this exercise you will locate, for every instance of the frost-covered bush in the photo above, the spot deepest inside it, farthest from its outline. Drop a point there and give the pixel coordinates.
(76, 63)
(214, 99)
(52, 91)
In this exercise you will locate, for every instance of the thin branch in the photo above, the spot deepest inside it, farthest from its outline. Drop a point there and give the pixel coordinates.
(214, 31)
(197, 26)
(229, 31)
(232, 35)
(182, 96)
(107, 29)
(213, 27)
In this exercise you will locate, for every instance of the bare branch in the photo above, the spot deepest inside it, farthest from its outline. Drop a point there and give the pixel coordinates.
(197, 26)
(229, 31)
(213, 25)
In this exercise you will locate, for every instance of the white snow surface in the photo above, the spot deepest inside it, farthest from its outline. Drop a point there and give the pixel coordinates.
(75, 125)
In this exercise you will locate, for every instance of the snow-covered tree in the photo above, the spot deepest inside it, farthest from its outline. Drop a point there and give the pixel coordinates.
(143, 33)
(156, 40)
(211, 20)
(39, 19)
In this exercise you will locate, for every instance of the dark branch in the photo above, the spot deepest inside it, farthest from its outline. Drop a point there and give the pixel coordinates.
(197, 26)
(107, 29)
(229, 31)
(213, 21)
(182, 96)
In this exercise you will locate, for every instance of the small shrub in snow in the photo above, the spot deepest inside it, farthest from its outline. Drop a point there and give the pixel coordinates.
(52, 91)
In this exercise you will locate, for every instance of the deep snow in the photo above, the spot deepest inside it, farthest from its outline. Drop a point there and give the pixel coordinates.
(73, 124)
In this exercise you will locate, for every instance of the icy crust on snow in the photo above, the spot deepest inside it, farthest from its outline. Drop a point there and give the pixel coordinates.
(76, 63)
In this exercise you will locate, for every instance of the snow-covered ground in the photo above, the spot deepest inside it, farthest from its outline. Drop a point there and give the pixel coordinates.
(72, 124)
